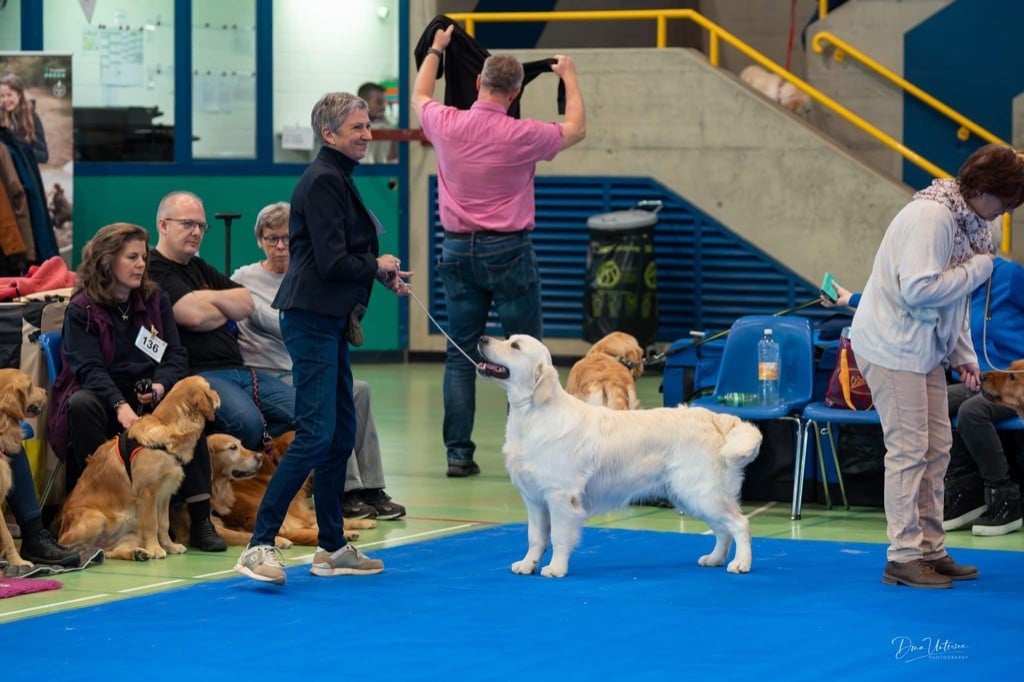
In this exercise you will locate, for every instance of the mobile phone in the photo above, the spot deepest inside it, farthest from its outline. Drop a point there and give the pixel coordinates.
(828, 287)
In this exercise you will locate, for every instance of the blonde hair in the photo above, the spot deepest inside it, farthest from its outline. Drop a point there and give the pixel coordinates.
(271, 216)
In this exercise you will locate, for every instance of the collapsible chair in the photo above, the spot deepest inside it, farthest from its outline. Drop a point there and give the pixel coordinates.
(820, 417)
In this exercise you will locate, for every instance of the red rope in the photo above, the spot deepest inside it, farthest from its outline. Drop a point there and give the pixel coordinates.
(792, 33)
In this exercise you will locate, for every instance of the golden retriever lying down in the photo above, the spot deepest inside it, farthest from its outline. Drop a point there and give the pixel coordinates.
(129, 518)
(777, 89)
(236, 499)
(571, 460)
(1005, 388)
(607, 374)
(18, 399)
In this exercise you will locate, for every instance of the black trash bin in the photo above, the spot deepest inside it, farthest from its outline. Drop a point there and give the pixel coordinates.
(621, 290)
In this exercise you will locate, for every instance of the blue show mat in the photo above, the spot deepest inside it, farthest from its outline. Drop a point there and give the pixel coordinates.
(635, 604)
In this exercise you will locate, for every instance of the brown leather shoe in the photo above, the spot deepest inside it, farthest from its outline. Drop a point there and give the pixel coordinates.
(946, 566)
(917, 573)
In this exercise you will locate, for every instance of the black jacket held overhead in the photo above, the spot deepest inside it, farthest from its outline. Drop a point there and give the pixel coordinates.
(463, 61)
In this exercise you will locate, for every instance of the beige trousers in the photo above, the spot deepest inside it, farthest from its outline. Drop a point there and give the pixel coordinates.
(915, 423)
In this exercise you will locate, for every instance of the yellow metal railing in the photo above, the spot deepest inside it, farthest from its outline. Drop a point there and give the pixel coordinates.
(963, 133)
(717, 34)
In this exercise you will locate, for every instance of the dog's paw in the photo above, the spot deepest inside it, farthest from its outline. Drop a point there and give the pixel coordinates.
(552, 571)
(156, 552)
(738, 566)
(351, 535)
(524, 567)
(282, 542)
(710, 560)
(175, 548)
(139, 554)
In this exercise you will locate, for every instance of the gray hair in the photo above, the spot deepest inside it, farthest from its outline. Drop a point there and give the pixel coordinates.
(502, 73)
(271, 216)
(172, 199)
(331, 111)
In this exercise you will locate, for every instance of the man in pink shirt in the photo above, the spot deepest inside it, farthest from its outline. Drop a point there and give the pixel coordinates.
(486, 161)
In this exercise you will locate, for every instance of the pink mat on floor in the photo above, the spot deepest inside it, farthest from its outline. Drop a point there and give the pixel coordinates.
(12, 587)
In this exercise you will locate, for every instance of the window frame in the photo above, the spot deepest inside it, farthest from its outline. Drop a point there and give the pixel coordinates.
(184, 163)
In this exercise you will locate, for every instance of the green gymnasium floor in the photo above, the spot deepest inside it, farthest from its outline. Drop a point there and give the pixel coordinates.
(408, 412)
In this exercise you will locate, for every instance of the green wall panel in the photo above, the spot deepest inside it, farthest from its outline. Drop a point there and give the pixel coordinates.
(101, 200)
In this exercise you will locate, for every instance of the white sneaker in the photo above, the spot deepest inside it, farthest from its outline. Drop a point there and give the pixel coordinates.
(346, 561)
(264, 563)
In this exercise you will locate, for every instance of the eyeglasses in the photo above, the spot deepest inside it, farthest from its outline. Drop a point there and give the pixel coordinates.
(190, 224)
(274, 240)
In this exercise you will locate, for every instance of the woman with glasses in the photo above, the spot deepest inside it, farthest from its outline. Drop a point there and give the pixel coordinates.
(911, 323)
(262, 343)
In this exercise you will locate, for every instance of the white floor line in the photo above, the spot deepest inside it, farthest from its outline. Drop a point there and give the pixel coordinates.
(760, 510)
(308, 558)
(404, 538)
(150, 586)
(55, 605)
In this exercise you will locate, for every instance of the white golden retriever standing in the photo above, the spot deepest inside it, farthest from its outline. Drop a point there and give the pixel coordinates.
(571, 460)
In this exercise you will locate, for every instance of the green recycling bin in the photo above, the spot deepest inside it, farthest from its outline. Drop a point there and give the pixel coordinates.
(621, 292)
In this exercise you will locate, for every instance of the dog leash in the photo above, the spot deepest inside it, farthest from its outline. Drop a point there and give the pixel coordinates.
(436, 324)
(660, 358)
(984, 331)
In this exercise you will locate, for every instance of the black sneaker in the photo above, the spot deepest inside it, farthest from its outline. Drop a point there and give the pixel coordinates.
(463, 470)
(381, 501)
(1003, 512)
(353, 508)
(204, 537)
(42, 548)
(964, 501)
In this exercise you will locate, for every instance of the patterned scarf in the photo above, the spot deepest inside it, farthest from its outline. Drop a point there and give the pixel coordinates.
(971, 235)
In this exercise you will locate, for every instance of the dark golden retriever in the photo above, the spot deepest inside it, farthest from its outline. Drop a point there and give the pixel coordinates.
(18, 399)
(607, 374)
(129, 517)
(236, 499)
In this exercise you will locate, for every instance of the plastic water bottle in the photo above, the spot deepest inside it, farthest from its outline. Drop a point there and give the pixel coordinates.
(768, 369)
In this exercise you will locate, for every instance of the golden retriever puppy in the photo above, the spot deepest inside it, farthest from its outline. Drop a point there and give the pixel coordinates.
(128, 516)
(235, 499)
(18, 399)
(607, 374)
(777, 89)
(1005, 388)
(571, 460)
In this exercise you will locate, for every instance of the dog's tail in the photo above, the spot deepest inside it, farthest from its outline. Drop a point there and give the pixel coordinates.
(742, 440)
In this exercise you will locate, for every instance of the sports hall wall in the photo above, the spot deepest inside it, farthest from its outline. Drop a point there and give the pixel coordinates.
(792, 191)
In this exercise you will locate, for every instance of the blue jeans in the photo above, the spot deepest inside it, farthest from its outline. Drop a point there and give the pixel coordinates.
(21, 498)
(325, 427)
(479, 272)
(238, 414)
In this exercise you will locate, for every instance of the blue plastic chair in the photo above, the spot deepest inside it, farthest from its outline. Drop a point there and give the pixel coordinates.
(738, 374)
(819, 417)
(50, 343)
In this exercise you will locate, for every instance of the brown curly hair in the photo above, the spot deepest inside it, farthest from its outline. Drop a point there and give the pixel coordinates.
(96, 271)
(995, 169)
